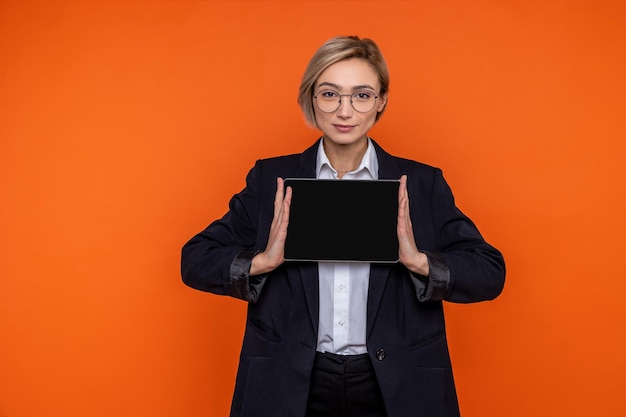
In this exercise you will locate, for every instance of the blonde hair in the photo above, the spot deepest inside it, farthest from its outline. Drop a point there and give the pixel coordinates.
(332, 51)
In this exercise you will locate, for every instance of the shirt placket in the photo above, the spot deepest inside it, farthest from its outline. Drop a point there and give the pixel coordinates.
(341, 306)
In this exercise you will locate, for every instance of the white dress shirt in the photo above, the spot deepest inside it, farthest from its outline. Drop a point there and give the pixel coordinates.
(343, 286)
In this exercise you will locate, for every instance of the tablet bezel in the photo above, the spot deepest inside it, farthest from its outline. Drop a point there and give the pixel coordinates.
(351, 225)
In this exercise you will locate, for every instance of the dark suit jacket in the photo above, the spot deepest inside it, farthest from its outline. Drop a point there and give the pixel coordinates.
(406, 336)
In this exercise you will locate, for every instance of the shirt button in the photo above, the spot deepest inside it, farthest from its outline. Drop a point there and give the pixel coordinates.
(341, 322)
(342, 287)
(380, 354)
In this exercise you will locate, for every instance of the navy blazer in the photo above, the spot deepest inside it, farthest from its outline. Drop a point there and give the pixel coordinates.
(406, 337)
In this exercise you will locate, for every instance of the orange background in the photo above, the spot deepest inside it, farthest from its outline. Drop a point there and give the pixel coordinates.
(126, 126)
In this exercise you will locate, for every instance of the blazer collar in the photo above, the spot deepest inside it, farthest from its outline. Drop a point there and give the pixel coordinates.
(308, 159)
(388, 168)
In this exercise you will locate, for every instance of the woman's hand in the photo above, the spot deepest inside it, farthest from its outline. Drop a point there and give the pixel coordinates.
(274, 254)
(408, 253)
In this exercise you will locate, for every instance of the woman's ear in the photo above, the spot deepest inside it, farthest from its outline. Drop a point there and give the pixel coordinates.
(382, 102)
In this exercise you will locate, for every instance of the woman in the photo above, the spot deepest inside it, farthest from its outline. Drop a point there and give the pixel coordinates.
(333, 338)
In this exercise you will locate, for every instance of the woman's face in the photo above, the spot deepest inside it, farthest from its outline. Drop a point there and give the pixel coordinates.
(346, 126)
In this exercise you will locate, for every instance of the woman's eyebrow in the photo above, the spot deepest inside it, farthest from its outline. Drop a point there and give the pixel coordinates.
(356, 87)
(327, 84)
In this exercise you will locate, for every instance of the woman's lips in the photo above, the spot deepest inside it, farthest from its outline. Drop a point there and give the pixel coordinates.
(344, 128)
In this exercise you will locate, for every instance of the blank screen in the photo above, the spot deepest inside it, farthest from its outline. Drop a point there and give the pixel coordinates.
(343, 220)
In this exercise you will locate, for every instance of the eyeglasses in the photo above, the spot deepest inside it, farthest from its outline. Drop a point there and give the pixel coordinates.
(329, 101)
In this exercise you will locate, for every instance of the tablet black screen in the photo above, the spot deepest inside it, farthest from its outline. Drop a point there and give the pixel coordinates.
(343, 220)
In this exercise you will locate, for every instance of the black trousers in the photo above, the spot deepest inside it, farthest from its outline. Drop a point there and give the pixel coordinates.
(344, 386)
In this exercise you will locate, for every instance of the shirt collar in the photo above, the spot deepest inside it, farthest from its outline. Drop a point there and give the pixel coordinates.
(368, 163)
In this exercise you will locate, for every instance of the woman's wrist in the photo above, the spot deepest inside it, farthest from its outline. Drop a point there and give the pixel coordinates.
(419, 264)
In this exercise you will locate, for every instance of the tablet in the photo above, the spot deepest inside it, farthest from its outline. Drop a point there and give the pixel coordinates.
(342, 220)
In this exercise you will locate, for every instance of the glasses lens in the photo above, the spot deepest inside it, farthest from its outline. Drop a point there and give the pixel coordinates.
(363, 100)
(328, 101)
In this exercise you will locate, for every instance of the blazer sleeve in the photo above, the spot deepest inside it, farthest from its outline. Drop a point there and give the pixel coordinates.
(218, 259)
(464, 268)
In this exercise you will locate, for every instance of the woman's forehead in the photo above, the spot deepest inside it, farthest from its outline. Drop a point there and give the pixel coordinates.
(348, 74)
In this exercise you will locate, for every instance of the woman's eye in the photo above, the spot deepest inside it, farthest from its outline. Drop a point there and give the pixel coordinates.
(329, 94)
(363, 95)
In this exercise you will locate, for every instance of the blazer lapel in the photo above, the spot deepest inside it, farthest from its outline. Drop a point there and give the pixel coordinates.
(309, 273)
(306, 164)
(388, 168)
(379, 273)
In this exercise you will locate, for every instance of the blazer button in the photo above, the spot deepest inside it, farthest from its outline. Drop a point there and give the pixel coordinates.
(380, 354)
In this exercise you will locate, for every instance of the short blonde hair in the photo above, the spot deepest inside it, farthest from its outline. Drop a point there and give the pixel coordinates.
(332, 51)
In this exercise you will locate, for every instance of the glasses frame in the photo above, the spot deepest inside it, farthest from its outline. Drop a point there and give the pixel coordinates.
(344, 95)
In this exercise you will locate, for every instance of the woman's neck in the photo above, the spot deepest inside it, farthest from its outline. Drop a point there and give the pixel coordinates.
(345, 158)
